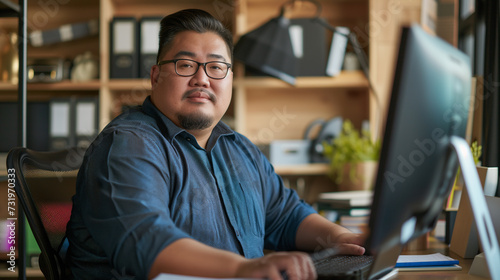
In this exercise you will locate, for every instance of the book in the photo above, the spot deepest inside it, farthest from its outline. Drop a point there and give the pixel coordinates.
(433, 261)
(335, 215)
(430, 268)
(347, 198)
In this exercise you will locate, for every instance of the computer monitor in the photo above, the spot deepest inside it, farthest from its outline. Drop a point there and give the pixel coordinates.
(429, 104)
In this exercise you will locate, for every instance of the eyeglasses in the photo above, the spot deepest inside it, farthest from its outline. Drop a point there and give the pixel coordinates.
(186, 67)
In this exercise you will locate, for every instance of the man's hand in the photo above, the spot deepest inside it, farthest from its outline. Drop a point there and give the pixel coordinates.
(316, 233)
(349, 243)
(296, 265)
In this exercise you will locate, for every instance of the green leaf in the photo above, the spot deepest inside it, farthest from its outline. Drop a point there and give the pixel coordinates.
(350, 147)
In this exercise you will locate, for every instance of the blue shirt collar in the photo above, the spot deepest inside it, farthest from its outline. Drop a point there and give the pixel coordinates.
(171, 130)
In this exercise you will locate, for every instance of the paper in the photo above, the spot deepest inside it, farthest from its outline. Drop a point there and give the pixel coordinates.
(436, 259)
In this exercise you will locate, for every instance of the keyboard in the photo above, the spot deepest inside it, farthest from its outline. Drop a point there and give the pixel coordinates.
(336, 267)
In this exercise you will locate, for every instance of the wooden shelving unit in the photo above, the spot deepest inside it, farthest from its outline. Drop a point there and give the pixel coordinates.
(256, 99)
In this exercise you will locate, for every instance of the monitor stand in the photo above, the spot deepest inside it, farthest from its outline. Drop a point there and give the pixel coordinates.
(482, 217)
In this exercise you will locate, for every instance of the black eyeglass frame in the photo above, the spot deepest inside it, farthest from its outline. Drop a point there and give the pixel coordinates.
(204, 64)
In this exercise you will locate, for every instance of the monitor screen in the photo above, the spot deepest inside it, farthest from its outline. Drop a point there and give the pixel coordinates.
(417, 167)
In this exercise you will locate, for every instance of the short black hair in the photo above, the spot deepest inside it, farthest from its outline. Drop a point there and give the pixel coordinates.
(191, 20)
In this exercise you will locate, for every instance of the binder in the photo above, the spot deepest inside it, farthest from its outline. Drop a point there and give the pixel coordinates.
(337, 51)
(60, 124)
(149, 28)
(74, 121)
(86, 121)
(123, 48)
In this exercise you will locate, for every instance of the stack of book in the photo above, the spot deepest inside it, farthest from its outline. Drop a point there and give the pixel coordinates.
(350, 209)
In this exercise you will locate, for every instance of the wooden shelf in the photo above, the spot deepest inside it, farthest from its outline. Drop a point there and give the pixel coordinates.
(346, 79)
(128, 84)
(65, 85)
(302, 169)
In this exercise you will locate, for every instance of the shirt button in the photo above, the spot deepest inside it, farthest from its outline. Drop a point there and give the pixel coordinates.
(237, 233)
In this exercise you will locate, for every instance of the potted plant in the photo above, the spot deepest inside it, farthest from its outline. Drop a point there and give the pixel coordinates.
(353, 158)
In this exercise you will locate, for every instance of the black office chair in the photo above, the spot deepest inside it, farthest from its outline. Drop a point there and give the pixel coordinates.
(44, 187)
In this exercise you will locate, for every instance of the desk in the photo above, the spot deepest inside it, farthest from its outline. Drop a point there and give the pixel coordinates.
(436, 246)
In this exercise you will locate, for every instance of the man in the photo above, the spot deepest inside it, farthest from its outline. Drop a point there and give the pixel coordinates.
(168, 188)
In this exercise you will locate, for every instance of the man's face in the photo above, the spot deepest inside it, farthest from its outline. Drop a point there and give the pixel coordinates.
(197, 102)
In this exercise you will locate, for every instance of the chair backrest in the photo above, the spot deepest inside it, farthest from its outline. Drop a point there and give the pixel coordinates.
(45, 183)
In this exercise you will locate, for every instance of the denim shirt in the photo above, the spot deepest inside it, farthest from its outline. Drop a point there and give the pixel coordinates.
(145, 183)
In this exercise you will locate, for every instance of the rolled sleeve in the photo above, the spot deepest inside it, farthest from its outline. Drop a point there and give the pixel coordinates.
(284, 210)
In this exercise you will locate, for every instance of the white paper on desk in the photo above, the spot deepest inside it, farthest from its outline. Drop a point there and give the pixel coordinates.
(436, 259)
(427, 262)
(430, 268)
(168, 276)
